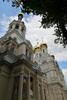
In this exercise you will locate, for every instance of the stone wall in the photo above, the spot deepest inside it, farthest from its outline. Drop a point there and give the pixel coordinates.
(4, 78)
(65, 93)
(56, 92)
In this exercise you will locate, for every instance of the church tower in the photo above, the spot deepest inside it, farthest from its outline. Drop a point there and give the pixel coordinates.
(20, 77)
(16, 58)
(54, 75)
(17, 29)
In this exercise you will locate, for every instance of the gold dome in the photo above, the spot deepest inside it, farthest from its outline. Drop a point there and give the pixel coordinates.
(20, 14)
(39, 46)
(36, 48)
(43, 45)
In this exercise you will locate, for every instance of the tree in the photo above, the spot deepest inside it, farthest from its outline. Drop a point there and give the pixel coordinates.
(54, 12)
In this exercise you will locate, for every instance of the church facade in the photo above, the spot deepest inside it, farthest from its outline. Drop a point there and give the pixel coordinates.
(28, 73)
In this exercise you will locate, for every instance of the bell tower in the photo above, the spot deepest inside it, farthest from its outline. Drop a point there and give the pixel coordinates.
(17, 29)
(16, 59)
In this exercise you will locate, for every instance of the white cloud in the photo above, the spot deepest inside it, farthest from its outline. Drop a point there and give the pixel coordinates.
(65, 74)
(4, 23)
(36, 34)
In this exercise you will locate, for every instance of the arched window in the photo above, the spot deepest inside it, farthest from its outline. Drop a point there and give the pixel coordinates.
(27, 52)
(22, 29)
(40, 54)
(37, 55)
(43, 50)
(11, 27)
(17, 26)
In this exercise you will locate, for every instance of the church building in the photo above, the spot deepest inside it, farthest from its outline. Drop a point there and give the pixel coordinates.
(28, 73)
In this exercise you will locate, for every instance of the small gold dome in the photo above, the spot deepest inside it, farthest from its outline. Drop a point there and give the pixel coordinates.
(43, 45)
(20, 14)
(36, 48)
(39, 46)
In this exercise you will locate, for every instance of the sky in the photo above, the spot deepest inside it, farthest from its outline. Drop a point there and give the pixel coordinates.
(34, 33)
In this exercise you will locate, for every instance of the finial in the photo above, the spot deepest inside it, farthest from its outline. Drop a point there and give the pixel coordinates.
(37, 43)
(20, 16)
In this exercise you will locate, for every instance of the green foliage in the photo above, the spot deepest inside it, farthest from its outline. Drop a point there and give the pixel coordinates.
(52, 11)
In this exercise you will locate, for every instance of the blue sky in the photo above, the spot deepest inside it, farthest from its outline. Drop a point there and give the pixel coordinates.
(7, 12)
(63, 64)
(6, 8)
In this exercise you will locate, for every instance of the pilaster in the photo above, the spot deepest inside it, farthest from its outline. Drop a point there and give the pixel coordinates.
(20, 87)
(10, 87)
(43, 98)
(29, 86)
(37, 90)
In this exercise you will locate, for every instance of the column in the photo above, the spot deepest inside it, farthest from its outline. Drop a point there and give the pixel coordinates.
(34, 88)
(29, 86)
(20, 87)
(37, 90)
(47, 92)
(43, 98)
(10, 87)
